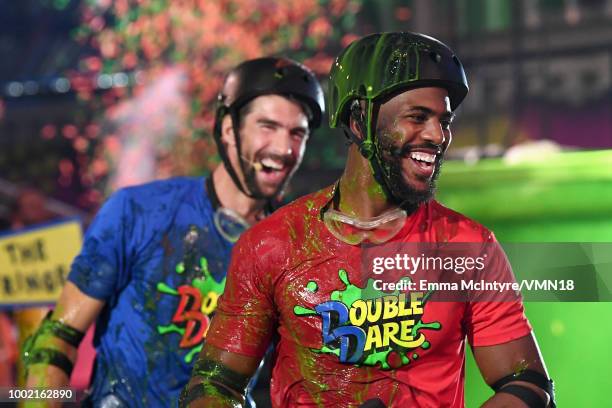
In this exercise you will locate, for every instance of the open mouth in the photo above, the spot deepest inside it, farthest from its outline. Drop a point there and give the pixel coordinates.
(424, 162)
(272, 170)
(270, 165)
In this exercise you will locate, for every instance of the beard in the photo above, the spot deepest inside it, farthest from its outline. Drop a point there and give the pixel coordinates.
(250, 179)
(250, 175)
(402, 191)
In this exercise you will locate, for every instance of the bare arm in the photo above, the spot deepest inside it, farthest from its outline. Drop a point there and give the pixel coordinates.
(74, 309)
(496, 362)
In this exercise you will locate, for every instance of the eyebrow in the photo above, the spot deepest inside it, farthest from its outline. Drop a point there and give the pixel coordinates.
(423, 109)
(271, 122)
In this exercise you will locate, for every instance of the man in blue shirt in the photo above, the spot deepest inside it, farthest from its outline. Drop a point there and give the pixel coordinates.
(154, 260)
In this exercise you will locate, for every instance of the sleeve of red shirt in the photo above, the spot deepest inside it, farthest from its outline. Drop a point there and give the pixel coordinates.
(495, 318)
(245, 316)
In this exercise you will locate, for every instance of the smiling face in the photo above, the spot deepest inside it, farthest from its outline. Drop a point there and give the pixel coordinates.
(413, 132)
(273, 135)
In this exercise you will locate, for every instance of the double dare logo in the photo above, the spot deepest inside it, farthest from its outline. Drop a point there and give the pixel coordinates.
(197, 301)
(365, 326)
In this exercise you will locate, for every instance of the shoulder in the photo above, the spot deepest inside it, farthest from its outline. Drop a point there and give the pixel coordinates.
(160, 188)
(293, 215)
(287, 224)
(456, 226)
(155, 203)
(161, 194)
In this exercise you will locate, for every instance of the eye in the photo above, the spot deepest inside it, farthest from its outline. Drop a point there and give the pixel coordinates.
(268, 126)
(299, 134)
(417, 117)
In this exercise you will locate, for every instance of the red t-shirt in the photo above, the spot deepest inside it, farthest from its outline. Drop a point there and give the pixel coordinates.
(337, 346)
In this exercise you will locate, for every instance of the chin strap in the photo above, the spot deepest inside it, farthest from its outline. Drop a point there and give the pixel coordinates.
(368, 147)
(269, 208)
(221, 112)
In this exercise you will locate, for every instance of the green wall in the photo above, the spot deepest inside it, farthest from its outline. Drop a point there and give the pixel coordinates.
(563, 197)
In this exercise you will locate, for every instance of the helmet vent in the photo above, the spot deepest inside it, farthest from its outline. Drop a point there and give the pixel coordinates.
(456, 61)
(435, 56)
(397, 59)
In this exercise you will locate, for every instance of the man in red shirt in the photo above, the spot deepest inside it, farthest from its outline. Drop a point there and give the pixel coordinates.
(309, 275)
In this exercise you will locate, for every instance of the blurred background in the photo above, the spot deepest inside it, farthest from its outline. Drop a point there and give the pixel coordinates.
(99, 94)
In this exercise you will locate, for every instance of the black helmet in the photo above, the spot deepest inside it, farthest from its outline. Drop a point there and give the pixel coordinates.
(268, 76)
(265, 76)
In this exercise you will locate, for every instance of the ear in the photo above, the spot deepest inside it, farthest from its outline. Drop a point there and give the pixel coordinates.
(356, 115)
(227, 131)
(355, 128)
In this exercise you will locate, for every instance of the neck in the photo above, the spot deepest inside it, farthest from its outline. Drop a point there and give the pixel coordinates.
(232, 198)
(360, 193)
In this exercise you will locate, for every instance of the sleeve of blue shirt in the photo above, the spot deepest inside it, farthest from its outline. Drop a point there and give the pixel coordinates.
(102, 266)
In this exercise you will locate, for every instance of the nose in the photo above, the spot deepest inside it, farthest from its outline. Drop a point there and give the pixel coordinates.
(433, 132)
(282, 143)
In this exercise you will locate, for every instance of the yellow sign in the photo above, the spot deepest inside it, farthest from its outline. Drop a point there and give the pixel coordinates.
(34, 263)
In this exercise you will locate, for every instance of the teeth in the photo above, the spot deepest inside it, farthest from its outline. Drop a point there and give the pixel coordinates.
(424, 157)
(270, 163)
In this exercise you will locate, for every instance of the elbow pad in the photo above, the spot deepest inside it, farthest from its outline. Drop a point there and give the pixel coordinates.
(527, 395)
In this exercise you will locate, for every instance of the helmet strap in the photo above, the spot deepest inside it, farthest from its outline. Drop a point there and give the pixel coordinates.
(368, 147)
(364, 144)
(234, 115)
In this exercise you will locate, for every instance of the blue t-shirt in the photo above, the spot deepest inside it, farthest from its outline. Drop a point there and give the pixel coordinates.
(155, 257)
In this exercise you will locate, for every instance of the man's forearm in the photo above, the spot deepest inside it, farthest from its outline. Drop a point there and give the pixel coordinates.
(205, 393)
(219, 379)
(49, 355)
(44, 375)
